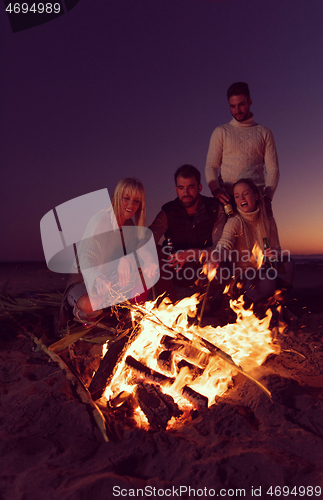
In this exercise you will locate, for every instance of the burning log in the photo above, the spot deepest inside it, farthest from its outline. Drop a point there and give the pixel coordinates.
(226, 357)
(195, 371)
(165, 360)
(214, 350)
(106, 368)
(168, 342)
(122, 398)
(148, 372)
(195, 397)
(186, 350)
(210, 276)
(211, 347)
(179, 347)
(159, 408)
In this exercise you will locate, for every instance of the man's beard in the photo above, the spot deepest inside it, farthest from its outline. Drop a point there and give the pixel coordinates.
(245, 117)
(189, 203)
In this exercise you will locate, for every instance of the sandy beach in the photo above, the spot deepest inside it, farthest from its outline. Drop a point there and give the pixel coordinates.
(242, 446)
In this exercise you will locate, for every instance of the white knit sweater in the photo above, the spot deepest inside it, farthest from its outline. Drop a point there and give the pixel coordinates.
(242, 150)
(233, 238)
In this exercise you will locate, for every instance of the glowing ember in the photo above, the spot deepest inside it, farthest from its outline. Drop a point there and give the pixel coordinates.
(170, 352)
(104, 349)
(208, 271)
(211, 274)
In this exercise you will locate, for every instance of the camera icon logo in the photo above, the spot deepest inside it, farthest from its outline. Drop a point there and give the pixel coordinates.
(83, 236)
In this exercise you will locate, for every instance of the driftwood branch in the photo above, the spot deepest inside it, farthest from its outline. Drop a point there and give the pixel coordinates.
(83, 393)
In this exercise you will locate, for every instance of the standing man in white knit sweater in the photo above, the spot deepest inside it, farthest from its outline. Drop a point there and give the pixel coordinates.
(241, 149)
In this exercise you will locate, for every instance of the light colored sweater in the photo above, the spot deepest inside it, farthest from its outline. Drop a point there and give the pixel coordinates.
(101, 245)
(234, 238)
(242, 150)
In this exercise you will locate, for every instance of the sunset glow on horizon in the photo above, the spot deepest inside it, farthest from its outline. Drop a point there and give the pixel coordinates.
(127, 89)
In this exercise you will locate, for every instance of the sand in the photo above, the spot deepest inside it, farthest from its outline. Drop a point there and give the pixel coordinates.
(239, 448)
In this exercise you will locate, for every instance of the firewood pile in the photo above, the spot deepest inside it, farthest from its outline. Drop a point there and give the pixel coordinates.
(162, 380)
(157, 406)
(176, 353)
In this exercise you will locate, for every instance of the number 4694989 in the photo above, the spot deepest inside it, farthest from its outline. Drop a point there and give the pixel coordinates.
(40, 8)
(297, 491)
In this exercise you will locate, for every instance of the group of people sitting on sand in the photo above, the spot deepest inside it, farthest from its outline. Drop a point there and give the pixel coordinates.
(227, 233)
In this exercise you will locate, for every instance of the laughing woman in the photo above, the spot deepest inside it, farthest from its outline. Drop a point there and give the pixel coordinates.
(249, 228)
(104, 256)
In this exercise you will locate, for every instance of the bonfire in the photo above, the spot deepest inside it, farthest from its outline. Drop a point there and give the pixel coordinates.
(172, 394)
(162, 365)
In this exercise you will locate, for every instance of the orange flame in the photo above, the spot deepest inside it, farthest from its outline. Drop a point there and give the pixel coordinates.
(248, 342)
(211, 274)
(258, 255)
(209, 271)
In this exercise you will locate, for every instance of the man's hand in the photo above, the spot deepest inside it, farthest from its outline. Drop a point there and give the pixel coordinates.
(268, 206)
(221, 195)
(179, 258)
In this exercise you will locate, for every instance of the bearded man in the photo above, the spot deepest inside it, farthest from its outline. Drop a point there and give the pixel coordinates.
(192, 224)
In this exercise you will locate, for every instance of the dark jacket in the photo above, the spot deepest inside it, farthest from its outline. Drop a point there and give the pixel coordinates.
(191, 231)
(201, 230)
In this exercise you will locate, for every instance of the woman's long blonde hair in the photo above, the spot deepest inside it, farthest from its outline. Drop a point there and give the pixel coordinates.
(133, 187)
(264, 221)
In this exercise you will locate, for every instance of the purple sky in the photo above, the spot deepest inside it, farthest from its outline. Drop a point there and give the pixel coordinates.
(119, 88)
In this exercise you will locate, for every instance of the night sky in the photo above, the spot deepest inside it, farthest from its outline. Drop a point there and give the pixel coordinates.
(118, 88)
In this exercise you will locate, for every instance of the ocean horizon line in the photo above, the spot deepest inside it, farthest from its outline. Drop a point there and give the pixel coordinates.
(297, 257)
